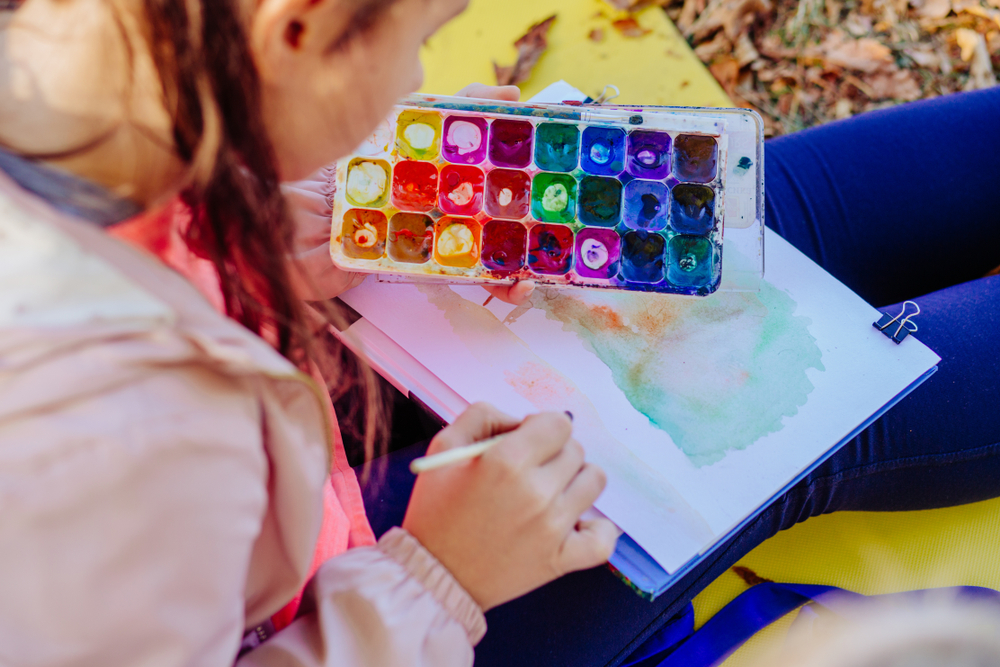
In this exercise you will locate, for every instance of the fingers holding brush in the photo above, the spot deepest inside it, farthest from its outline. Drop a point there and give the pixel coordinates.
(503, 523)
(477, 423)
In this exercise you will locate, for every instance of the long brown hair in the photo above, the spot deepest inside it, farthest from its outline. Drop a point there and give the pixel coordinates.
(240, 221)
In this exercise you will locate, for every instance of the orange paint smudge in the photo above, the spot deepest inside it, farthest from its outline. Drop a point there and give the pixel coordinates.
(541, 384)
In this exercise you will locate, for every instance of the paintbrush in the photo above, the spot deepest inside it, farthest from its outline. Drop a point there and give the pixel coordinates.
(458, 454)
(450, 456)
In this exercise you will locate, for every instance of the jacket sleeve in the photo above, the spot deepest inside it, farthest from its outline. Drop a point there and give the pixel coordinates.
(392, 605)
(127, 517)
(127, 520)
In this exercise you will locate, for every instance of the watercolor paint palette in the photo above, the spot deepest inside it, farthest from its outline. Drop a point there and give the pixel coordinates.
(459, 190)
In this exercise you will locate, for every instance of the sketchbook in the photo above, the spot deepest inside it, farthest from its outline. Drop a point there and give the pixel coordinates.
(700, 410)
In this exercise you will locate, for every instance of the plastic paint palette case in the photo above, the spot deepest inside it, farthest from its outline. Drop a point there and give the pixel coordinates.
(634, 198)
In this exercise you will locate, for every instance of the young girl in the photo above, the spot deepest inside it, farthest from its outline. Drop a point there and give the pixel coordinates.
(165, 474)
(163, 467)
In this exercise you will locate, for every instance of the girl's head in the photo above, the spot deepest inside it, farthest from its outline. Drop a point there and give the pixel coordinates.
(216, 100)
(330, 69)
(318, 74)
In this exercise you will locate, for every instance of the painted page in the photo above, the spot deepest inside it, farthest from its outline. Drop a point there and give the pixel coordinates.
(698, 409)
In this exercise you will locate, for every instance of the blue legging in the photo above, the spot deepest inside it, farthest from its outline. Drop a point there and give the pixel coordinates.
(898, 204)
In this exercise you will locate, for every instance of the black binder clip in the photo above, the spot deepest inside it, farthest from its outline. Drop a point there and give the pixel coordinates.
(899, 327)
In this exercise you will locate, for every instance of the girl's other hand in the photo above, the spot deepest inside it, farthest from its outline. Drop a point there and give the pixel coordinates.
(315, 276)
(509, 521)
(519, 292)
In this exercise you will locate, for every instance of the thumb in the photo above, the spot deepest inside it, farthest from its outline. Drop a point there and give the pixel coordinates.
(484, 92)
(589, 544)
(478, 422)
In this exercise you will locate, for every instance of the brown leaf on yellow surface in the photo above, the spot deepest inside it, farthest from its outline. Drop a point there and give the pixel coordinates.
(629, 27)
(530, 48)
(731, 16)
(863, 55)
(899, 85)
(749, 577)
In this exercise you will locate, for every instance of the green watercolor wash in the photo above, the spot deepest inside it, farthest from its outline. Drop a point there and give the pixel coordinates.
(716, 374)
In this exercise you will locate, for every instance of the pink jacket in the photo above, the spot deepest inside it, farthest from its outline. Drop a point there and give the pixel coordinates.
(161, 479)
(345, 524)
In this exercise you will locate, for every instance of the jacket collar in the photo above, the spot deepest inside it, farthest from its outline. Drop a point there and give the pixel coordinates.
(61, 276)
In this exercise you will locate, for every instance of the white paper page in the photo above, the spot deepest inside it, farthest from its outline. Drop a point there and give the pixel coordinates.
(698, 409)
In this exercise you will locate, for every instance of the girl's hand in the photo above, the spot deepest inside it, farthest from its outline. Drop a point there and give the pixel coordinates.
(315, 276)
(509, 521)
(518, 292)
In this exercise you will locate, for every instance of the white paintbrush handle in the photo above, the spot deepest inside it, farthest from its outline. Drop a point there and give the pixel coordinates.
(450, 456)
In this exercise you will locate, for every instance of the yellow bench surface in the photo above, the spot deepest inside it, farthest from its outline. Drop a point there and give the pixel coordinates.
(865, 552)
(658, 68)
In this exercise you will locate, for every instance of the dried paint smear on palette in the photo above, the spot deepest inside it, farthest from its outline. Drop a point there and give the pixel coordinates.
(475, 192)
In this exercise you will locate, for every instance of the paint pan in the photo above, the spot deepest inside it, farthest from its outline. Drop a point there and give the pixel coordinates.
(614, 198)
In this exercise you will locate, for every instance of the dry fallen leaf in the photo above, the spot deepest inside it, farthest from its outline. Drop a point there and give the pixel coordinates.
(744, 50)
(727, 72)
(772, 47)
(967, 41)
(925, 56)
(993, 42)
(732, 16)
(633, 5)
(959, 6)
(973, 47)
(842, 109)
(806, 62)
(979, 10)
(864, 55)
(706, 51)
(690, 10)
(899, 85)
(530, 48)
(629, 27)
(934, 9)
(857, 24)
